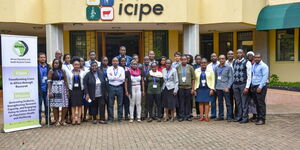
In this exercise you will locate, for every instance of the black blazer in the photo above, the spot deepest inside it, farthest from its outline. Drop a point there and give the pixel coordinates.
(89, 82)
(39, 76)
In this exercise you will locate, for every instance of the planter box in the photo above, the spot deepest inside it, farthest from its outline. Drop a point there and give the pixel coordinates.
(297, 89)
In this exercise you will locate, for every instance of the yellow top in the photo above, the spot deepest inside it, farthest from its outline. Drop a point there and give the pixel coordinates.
(210, 78)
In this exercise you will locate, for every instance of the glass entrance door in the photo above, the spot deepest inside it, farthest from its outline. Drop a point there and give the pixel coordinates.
(110, 42)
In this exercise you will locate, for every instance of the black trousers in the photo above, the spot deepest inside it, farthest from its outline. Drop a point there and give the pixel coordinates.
(98, 107)
(234, 109)
(151, 99)
(260, 101)
(185, 103)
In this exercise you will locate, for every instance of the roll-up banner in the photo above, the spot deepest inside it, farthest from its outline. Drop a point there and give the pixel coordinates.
(20, 82)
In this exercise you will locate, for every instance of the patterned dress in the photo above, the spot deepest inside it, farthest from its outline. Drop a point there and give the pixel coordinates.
(59, 90)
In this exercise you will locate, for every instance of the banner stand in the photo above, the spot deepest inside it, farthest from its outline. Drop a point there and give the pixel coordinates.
(20, 82)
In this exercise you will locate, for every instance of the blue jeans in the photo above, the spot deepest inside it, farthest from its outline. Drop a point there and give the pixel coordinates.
(43, 98)
(213, 106)
(118, 92)
(221, 95)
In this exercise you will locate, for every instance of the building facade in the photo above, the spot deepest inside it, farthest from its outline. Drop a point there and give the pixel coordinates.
(165, 26)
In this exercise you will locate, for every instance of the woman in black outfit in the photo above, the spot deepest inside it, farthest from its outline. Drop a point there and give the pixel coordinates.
(94, 83)
(75, 83)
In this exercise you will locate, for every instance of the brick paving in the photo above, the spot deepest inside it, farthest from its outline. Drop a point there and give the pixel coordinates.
(282, 131)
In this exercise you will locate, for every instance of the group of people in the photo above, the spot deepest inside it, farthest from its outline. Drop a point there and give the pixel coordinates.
(153, 89)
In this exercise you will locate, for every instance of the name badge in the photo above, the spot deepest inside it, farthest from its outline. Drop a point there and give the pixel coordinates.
(76, 85)
(44, 79)
(97, 81)
(155, 86)
(183, 79)
(203, 82)
(219, 78)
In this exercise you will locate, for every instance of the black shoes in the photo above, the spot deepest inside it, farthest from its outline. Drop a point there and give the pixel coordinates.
(237, 120)
(260, 122)
(244, 121)
(180, 119)
(212, 117)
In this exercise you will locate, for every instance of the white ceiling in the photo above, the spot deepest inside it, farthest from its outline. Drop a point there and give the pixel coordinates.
(23, 29)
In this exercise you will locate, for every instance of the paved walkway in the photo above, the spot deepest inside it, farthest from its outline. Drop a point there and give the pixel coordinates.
(282, 131)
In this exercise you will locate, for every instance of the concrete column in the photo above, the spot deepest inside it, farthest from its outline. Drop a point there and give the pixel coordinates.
(261, 45)
(54, 40)
(191, 39)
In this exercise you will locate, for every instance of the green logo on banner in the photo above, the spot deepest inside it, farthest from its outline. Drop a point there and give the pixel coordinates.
(93, 13)
(20, 48)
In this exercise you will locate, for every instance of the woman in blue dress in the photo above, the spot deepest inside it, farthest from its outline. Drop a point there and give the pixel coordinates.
(205, 85)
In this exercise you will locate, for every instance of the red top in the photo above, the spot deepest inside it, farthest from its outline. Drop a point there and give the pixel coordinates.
(160, 68)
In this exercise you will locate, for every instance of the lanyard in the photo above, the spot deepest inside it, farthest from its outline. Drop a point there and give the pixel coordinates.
(116, 71)
(68, 66)
(184, 71)
(154, 80)
(76, 77)
(168, 74)
(105, 72)
(59, 73)
(146, 70)
(43, 73)
(202, 75)
(222, 69)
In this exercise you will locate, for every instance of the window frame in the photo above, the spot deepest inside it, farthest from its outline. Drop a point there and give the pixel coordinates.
(232, 42)
(276, 45)
(238, 40)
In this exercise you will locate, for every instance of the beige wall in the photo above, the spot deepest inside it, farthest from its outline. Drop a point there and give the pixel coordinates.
(175, 11)
(278, 2)
(286, 70)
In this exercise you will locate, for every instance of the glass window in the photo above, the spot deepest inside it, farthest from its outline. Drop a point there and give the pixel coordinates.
(113, 41)
(225, 42)
(78, 43)
(160, 43)
(245, 41)
(206, 45)
(285, 45)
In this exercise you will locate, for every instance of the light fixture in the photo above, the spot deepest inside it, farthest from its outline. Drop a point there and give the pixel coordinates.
(37, 28)
(212, 30)
(5, 31)
(116, 28)
(77, 24)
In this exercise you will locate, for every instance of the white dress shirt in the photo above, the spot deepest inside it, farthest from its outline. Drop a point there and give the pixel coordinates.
(213, 66)
(67, 67)
(230, 63)
(116, 76)
(88, 63)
